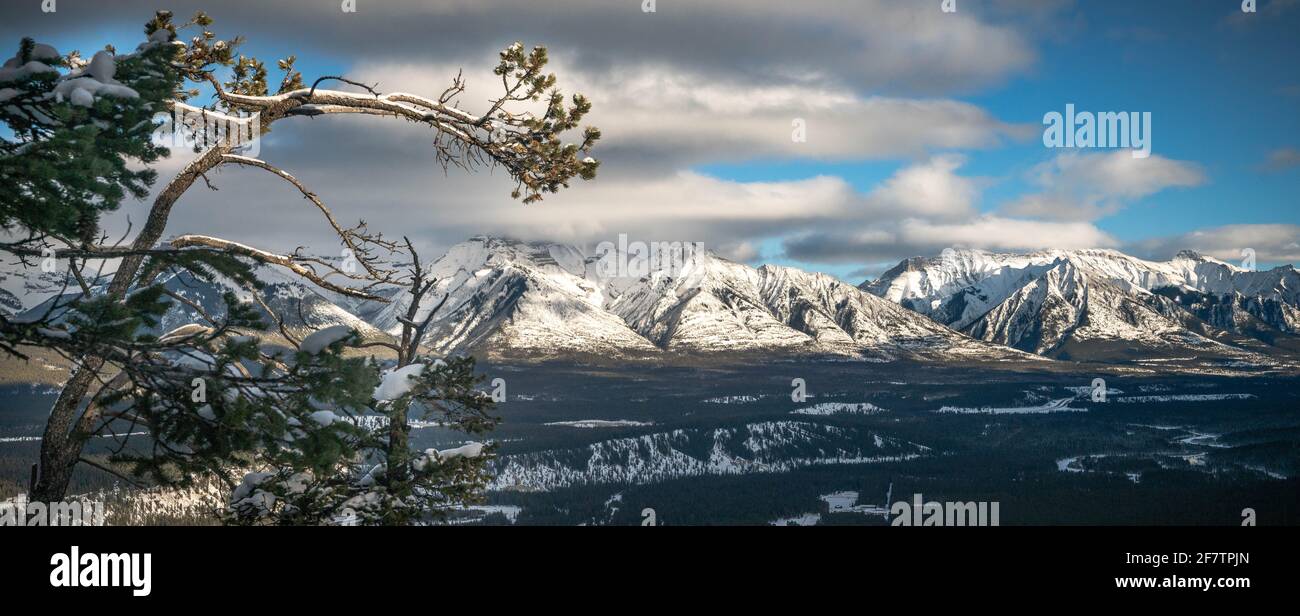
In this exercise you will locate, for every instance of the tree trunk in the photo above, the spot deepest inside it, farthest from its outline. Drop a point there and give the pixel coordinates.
(61, 445)
(398, 449)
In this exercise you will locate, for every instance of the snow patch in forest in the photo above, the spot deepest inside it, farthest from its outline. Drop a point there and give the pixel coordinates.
(601, 423)
(1184, 398)
(764, 447)
(839, 408)
(1055, 406)
(847, 502)
(806, 519)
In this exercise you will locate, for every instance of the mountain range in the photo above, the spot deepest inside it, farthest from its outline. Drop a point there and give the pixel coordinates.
(513, 299)
(1103, 304)
(508, 297)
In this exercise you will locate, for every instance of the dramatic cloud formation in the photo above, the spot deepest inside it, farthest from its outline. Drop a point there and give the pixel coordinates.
(930, 190)
(690, 85)
(923, 209)
(660, 119)
(684, 86)
(881, 46)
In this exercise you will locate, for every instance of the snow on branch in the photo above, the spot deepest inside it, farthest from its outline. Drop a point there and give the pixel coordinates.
(521, 130)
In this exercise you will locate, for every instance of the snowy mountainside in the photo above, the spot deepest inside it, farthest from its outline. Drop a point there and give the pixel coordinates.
(302, 306)
(1047, 301)
(505, 295)
(507, 298)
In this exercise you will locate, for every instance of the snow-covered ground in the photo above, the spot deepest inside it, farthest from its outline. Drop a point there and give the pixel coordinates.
(839, 408)
(807, 519)
(1188, 448)
(473, 514)
(847, 502)
(1183, 398)
(765, 447)
(601, 423)
(1055, 406)
(742, 399)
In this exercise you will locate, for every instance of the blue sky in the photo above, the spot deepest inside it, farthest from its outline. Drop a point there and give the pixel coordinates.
(1223, 92)
(923, 128)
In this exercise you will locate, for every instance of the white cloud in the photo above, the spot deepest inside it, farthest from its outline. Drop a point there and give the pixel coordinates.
(897, 239)
(435, 210)
(659, 118)
(930, 189)
(1272, 243)
(924, 208)
(1087, 186)
(694, 83)
(999, 233)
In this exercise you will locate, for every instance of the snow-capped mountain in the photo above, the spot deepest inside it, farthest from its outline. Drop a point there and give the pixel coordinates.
(1061, 303)
(505, 296)
(300, 305)
(508, 296)
(512, 299)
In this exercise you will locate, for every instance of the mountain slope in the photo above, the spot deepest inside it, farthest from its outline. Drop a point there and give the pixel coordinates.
(511, 299)
(302, 307)
(506, 296)
(1075, 303)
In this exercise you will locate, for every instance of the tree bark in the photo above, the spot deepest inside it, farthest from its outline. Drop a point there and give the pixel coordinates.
(59, 450)
(61, 444)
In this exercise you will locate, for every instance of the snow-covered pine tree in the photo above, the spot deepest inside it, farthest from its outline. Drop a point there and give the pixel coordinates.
(296, 416)
(382, 481)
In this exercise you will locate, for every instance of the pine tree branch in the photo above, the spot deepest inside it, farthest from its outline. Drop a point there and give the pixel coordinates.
(112, 472)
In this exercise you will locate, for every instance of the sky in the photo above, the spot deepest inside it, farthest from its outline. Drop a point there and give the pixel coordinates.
(838, 136)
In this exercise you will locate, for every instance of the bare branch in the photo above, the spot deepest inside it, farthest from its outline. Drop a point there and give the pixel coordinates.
(263, 256)
(347, 237)
(370, 89)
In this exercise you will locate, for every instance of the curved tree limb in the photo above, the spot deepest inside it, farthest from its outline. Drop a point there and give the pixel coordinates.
(348, 237)
(263, 256)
